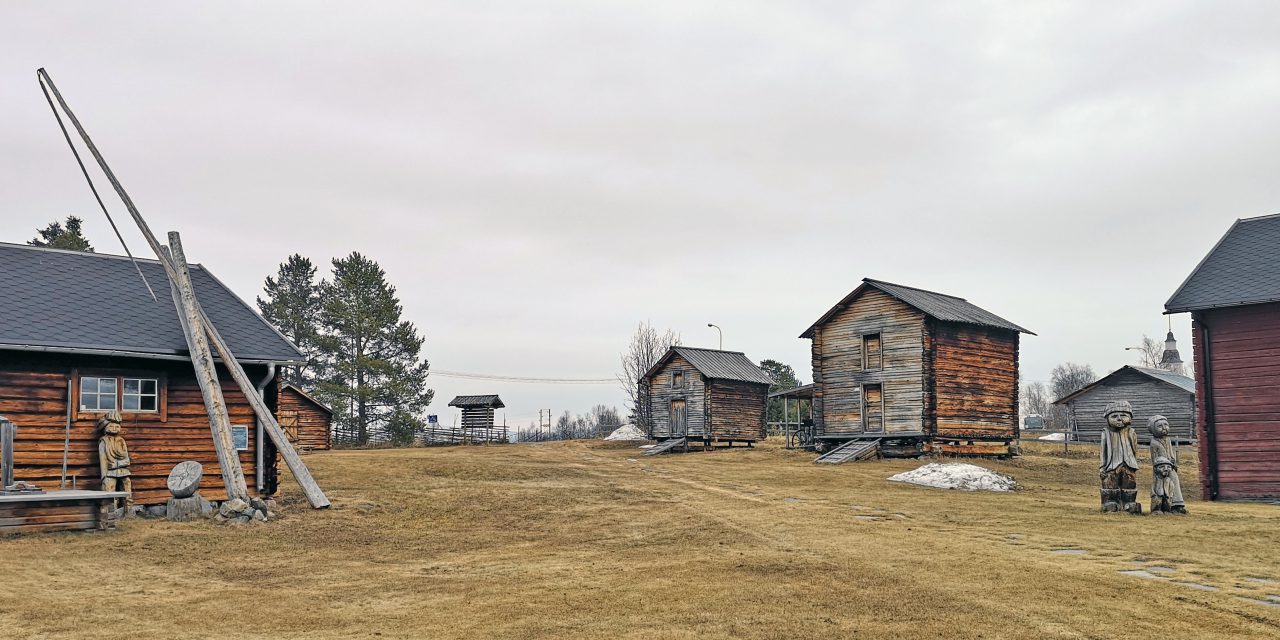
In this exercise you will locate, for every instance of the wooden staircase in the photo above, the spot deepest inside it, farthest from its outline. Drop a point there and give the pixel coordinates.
(666, 446)
(851, 451)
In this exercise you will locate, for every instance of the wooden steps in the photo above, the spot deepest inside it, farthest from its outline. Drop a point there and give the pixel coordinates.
(667, 446)
(850, 451)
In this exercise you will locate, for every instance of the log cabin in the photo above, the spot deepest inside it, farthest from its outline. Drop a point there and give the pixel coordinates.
(306, 421)
(708, 395)
(80, 336)
(1233, 297)
(1150, 391)
(916, 371)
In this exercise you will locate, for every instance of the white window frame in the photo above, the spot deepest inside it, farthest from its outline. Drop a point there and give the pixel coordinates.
(154, 395)
(98, 394)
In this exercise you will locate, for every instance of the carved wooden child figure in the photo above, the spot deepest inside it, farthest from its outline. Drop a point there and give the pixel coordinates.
(113, 457)
(1166, 488)
(1118, 467)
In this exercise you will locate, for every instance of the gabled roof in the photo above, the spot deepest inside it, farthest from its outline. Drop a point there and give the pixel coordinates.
(936, 305)
(1241, 269)
(716, 364)
(1159, 375)
(308, 397)
(71, 301)
(491, 401)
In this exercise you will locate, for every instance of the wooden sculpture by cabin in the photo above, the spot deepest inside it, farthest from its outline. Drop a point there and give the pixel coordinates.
(915, 371)
(81, 337)
(1233, 296)
(706, 395)
(305, 420)
(1151, 392)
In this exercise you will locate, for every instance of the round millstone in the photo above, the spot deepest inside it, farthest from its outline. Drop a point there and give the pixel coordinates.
(185, 478)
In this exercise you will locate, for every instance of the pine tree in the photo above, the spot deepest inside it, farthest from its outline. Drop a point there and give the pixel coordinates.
(376, 378)
(293, 307)
(784, 379)
(55, 236)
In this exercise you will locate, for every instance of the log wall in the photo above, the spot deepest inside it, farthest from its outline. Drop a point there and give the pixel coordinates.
(838, 373)
(33, 394)
(1237, 356)
(1148, 397)
(738, 410)
(975, 380)
(306, 424)
(660, 392)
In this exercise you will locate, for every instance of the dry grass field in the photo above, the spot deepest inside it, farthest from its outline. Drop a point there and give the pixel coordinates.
(588, 540)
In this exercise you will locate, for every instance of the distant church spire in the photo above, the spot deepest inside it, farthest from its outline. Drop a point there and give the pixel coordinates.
(1170, 360)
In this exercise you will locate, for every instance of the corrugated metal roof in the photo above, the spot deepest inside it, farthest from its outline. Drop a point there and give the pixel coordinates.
(1182, 382)
(71, 300)
(491, 401)
(937, 305)
(1241, 269)
(716, 364)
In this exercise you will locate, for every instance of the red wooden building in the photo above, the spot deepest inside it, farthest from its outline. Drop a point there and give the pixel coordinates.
(1233, 296)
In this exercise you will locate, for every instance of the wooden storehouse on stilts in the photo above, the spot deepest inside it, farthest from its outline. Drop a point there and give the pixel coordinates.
(80, 336)
(706, 396)
(1233, 296)
(912, 371)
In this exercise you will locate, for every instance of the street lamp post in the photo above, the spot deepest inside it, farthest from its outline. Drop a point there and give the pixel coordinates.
(719, 331)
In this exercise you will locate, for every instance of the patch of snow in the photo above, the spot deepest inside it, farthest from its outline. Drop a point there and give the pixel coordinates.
(956, 475)
(1054, 437)
(627, 432)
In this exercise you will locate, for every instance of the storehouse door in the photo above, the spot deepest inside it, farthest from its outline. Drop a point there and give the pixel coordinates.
(679, 419)
(872, 408)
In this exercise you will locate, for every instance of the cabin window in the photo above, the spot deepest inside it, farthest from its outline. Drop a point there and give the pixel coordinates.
(124, 393)
(677, 379)
(872, 356)
(97, 394)
(140, 394)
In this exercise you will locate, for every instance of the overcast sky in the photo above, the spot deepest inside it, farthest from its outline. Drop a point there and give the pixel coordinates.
(537, 178)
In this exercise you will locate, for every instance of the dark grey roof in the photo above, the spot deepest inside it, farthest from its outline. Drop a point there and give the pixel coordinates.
(1182, 382)
(1241, 269)
(718, 365)
(937, 305)
(802, 391)
(491, 401)
(72, 301)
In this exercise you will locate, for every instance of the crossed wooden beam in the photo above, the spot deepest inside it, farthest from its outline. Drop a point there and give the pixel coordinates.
(200, 334)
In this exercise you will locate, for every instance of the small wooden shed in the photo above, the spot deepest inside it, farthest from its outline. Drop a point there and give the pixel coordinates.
(1150, 391)
(477, 411)
(916, 371)
(305, 420)
(1233, 296)
(705, 394)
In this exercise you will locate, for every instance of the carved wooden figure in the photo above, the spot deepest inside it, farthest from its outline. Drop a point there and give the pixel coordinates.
(1118, 467)
(113, 457)
(1166, 487)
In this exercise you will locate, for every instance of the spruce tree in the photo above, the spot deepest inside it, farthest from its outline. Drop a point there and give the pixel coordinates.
(376, 378)
(293, 307)
(55, 236)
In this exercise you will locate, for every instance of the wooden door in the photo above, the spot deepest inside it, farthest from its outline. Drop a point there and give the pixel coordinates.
(872, 408)
(288, 421)
(679, 419)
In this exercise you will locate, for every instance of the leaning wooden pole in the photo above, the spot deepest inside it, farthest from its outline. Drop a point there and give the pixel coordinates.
(278, 437)
(300, 471)
(193, 325)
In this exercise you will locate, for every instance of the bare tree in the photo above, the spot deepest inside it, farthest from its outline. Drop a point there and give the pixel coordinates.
(1065, 379)
(1036, 400)
(1151, 352)
(645, 348)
